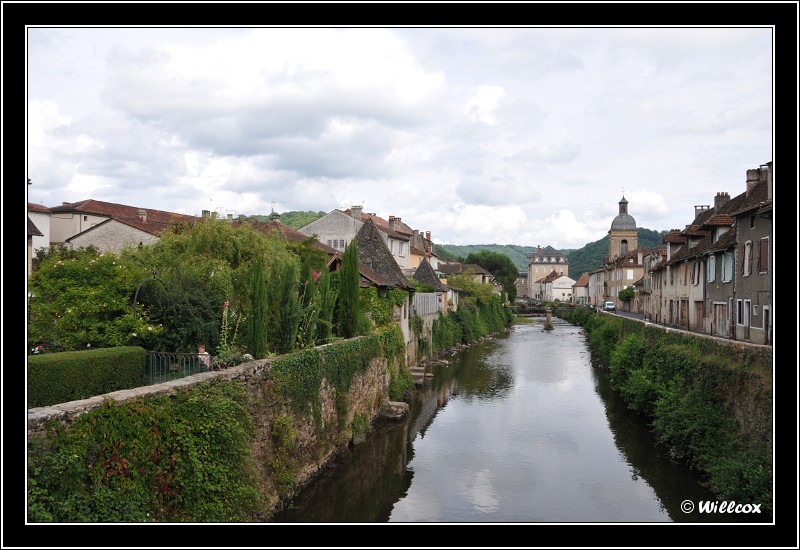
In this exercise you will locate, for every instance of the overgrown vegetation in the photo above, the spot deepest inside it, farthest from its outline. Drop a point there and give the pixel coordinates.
(685, 386)
(182, 458)
(471, 321)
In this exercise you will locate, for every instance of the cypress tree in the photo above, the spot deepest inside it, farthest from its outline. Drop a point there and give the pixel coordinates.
(257, 319)
(349, 292)
(326, 296)
(289, 311)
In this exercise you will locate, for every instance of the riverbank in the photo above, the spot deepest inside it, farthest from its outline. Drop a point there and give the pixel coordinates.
(709, 402)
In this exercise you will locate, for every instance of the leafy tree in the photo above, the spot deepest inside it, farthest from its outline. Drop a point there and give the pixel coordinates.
(82, 299)
(349, 291)
(464, 281)
(501, 267)
(626, 294)
(257, 314)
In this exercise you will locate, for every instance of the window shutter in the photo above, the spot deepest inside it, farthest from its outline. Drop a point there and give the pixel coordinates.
(758, 267)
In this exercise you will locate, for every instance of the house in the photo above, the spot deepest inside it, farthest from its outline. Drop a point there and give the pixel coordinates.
(339, 227)
(645, 294)
(40, 217)
(378, 268)
(597, 287)
(554, 287)
(109, 226)
(580, 290)
(753, 291)
(542, 262)
(715, 276)
(33, 231)
(444, 298)
(522, 286)
(477, 273)
(422, 247)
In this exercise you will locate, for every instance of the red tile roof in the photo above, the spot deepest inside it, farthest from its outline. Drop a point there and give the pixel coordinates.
(33, 207)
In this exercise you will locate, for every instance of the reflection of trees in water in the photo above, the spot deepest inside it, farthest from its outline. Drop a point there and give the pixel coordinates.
(482, 373)
(672, 482)
(364, 489)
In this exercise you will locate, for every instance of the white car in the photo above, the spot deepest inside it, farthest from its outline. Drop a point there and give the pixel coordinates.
(610, 306)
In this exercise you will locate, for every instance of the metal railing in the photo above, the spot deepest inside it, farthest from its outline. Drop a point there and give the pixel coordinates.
(163, 366)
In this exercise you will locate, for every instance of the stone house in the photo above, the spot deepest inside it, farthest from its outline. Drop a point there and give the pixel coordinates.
(109, 226)
(580, 290)
(378, 268)
(542, 262)
(339, 227)
(597, 287)
(554, 287)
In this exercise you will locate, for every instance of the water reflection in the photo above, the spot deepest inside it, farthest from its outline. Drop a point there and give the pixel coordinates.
(517, 429)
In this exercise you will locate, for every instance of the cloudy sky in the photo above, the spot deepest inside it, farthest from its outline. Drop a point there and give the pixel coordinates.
(522, 136)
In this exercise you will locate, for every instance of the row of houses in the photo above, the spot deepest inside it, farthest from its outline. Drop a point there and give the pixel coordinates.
(390, 252)
(714, 276)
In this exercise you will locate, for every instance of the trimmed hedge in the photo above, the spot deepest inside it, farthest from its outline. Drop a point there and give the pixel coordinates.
(71, 375)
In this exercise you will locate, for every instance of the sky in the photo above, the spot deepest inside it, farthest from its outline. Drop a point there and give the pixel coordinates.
(525, 135)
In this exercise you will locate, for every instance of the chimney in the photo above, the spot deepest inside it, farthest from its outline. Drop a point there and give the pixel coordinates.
(214, 215)
(753, 177)
(206, 214)
(538, 249)
(142, 213)
(769, 180)
(700, 208)
(230, 217)
(355, 211)
(392, 221)
(720, 200)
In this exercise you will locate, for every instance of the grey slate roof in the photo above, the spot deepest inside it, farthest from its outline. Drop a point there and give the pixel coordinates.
(426, 275)
(375, 259)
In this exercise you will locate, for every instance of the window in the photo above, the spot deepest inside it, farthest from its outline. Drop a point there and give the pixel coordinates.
(739, 314)
(711, 269)
(752, 222)
(696, 272)
(763, 255)
(747, 258)
(630, 274)
(401, 249)
(727, 267)
(623, 245)
(329, 243)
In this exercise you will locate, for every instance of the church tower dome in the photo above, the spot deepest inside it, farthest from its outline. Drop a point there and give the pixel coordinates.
(623, 235)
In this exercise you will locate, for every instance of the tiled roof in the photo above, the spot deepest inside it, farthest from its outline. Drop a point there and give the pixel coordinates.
(719, 219)
(374, 255)
(583, 280)
(33, 207)
(756, 199)
(427, 276)
(550, 277)
(455, 268)
(33, 231)
(156, 220)
(674, 238)
(724, 242)
(401, 230)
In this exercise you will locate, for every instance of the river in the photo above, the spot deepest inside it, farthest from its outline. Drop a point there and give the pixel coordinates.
(519, 428)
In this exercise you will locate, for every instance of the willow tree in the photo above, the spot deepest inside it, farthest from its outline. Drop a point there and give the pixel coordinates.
(349, 292)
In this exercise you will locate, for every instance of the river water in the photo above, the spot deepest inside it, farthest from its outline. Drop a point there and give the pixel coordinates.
(519, 428)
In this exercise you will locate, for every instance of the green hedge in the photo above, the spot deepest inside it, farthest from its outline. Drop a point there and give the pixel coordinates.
(688, 387)
(67, 376)
(470, 322)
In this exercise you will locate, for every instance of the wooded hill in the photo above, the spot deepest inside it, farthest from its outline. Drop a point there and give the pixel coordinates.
(585, 259)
